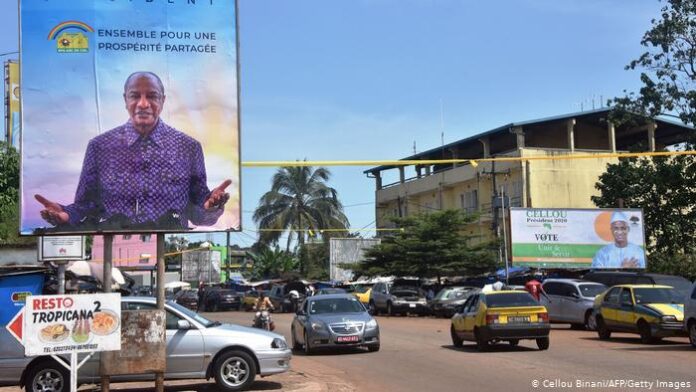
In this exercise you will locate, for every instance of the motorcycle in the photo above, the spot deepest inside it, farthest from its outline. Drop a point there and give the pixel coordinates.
(263, 321)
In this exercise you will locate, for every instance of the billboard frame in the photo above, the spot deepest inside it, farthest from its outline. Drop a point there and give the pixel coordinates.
(49, 231)
(563, 265)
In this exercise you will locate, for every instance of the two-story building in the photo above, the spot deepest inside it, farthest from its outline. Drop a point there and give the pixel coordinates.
(545, 181)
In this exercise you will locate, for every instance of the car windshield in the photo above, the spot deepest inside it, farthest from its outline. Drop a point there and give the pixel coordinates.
(655, 295)
(189, 294)
(200, 319)
(591, 290)
(510, 299)
(335, 305)
(361, 289)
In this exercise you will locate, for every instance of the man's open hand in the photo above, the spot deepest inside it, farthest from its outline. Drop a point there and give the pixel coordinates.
(629, 263)
(52, 213)
(218, 197)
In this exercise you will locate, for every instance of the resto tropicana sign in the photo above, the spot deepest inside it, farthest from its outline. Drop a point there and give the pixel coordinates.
(59, 324)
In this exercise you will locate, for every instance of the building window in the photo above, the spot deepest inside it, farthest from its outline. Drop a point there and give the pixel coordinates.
(126, 236)
(145, 237)
(144, 260)
(469, 201)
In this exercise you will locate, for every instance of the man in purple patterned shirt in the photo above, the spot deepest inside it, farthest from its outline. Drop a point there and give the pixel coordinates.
(143, 174)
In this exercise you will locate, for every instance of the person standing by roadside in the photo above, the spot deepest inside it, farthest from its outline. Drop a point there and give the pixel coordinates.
(201, 296)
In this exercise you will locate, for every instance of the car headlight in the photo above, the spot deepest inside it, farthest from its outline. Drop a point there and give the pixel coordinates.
(669, 319)
(318, 326)
(372, 324)
(279, 343)
(398, 301)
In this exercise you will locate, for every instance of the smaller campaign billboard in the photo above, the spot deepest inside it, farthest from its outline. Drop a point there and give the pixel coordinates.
(60, 324)
(577, 238)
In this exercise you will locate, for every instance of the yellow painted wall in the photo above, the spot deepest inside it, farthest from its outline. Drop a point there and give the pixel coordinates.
(564, 183)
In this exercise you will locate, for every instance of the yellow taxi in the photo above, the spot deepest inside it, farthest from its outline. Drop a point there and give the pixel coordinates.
(363, 294)
(507, 315)
(652, 311)
(249, 299)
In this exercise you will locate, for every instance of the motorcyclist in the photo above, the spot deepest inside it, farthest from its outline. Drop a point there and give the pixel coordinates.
(263, 303)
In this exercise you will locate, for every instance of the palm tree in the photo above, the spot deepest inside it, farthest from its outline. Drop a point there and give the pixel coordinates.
(299, 203)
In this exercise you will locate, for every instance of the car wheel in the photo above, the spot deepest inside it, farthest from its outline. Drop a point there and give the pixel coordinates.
(481, 343)
(373, 348)
(295, 346)
(234, 371)
(692, 333)
(645, 332)
(590, 321)
(48, 376)
(373, 309)
(602, 330)
(456, 340)
(307, 345)
(514, 342)
(543, 343)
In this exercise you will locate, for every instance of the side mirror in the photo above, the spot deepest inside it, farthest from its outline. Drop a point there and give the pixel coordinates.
(300, 312)
(183, 325)
(575, 295)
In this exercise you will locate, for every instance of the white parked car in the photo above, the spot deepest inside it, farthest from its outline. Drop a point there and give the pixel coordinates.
(196, 348)
(690, 314)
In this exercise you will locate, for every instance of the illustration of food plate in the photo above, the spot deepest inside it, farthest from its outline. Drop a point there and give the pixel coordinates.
(104, 322)
(54, 333)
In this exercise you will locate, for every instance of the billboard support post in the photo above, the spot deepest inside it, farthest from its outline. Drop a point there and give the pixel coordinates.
(159, 376)
(507, 263)
(61, 275)
(106, 287)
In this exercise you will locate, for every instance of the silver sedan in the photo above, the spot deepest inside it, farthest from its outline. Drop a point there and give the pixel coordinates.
(196, 348)
(333, 321)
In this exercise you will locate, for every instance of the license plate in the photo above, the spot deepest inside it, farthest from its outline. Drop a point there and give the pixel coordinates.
(518, 319)
(343, 339)
(412, 305)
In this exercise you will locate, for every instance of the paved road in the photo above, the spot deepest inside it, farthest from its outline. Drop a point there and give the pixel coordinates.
(417, 355)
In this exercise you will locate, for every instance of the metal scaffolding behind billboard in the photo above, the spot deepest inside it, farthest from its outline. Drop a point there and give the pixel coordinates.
(347, 251)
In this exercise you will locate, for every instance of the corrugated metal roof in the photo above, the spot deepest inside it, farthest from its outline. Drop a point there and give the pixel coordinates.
(508, 126)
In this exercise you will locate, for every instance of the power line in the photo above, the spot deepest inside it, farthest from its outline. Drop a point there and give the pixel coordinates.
(8, 53)
(474, 162)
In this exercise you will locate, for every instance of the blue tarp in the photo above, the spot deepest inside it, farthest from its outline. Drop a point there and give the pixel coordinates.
(13, 291)
(512, 271)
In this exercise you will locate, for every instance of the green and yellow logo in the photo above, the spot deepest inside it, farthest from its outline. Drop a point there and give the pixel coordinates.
(71, 37)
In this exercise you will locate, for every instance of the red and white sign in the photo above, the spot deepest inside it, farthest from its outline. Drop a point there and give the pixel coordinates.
(15, 325)
(59, 324)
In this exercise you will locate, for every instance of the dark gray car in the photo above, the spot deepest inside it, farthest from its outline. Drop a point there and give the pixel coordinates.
(333, 321)
(449, 298)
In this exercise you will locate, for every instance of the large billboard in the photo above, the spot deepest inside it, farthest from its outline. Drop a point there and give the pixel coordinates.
(577, 238)
(130, 116)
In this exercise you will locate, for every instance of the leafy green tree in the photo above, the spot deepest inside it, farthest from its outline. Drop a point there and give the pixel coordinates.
(272, 263)
(429, 245)
(668, 65)
(662, 187)
(300, 203)
(9, 196)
